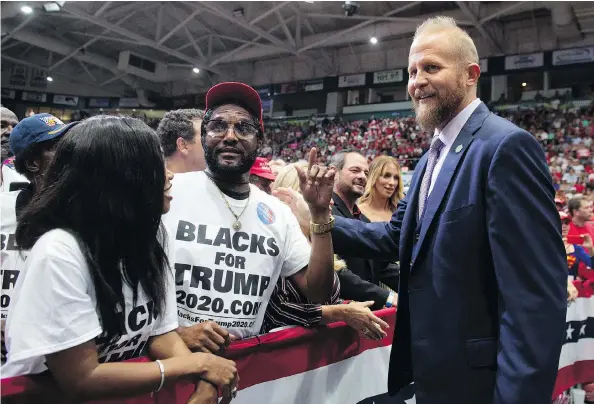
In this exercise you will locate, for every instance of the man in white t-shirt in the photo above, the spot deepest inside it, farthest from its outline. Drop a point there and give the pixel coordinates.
(8, 120)
(32, 141)
(9, 254)
(8, 175)
(232, 241)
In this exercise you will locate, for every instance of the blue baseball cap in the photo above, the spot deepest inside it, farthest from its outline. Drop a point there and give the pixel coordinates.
(35, 129)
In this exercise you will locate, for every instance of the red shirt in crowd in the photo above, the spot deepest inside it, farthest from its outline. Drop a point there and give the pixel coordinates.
(575, 230)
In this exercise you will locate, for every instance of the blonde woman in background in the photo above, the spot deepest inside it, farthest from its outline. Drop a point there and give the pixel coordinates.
(383, 191)
(287, 307)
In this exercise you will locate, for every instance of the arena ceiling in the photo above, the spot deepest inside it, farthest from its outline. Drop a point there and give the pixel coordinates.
(82, 41)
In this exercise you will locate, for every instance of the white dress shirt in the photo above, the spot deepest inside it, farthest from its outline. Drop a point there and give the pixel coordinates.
(448, 136)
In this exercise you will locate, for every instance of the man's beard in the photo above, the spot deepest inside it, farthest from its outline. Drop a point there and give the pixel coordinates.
(6, 153)
(348, 191)
(246, 162)
(438, 116)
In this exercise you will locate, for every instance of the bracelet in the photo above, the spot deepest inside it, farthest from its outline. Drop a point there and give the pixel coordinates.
(390, 299)
(162, 369)
(315, 228)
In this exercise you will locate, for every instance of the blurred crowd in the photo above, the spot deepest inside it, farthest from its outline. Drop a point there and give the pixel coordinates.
(566, 136)
(398, 137)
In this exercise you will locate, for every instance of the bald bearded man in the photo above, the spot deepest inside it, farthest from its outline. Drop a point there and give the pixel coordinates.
(483, 278)
(8, 120)
(8, 175)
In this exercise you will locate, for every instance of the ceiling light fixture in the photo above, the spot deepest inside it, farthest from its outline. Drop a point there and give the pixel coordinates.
(373, 40)
(53, 6)
(49, 79)
(523, 84)
(196, 70)
(26, 10)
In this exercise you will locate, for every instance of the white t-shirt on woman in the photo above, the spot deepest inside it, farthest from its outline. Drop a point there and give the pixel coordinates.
(54, 308)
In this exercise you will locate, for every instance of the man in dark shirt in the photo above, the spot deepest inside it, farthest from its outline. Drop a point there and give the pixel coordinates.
(32, 142)
(361, 279)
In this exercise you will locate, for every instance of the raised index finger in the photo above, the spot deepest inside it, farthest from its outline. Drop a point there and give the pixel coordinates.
(313, 158)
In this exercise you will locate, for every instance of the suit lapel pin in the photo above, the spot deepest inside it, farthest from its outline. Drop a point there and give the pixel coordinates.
(458, 149)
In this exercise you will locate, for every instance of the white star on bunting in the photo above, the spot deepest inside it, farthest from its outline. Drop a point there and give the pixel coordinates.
(569, 332)
(583, 330)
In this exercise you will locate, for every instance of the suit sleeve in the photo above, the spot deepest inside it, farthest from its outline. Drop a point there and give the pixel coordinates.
(529, 261)
(355, 288)
(378, 240)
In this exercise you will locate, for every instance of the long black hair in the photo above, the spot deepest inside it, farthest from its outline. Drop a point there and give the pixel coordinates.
(105, 186)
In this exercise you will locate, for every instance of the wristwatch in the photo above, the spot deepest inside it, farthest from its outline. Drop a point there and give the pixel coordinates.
(315, 228)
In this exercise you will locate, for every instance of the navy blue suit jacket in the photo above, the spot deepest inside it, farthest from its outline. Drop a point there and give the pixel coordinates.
(482, 296)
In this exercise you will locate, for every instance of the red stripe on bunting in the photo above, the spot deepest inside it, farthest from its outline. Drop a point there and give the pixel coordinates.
(304, 350)
(569, 376)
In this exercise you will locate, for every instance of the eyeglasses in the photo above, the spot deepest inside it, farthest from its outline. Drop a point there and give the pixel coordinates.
(218, 128)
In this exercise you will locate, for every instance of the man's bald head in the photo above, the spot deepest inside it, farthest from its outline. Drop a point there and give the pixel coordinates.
(9, 120)
(462, 45)
(443, 72)
(7, 115)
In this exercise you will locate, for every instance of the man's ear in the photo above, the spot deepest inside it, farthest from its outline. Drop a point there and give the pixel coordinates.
(474, 73)
(182, 145)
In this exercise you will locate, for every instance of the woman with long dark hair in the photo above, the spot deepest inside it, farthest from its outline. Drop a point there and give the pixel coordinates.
(96, 287)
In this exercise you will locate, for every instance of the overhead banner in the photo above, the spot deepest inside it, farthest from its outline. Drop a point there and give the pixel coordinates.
(388, 76)
(38, 78)
(98, 102)
(311, 85)
(199, 100)
(263, 91)
(484, 65)
(66, 100)
(571, 56)
(177, 103)
(18, 75)
(526, 61)
(8, 94)
(353, 80)
(287, 88)
(131, 103)
(267, 106)
(36, 97)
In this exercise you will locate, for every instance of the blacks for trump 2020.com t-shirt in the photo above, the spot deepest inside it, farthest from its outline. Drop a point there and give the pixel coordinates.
(224, 275)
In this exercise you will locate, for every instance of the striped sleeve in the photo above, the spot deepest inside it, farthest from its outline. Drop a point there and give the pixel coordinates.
(288, 307)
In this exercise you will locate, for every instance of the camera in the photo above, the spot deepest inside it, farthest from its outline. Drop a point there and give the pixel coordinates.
(350, 8)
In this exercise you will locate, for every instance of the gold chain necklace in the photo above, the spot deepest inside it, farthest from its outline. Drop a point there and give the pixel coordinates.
(236, 224)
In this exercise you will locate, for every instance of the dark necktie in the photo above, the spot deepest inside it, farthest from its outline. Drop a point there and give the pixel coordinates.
(436, 146)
